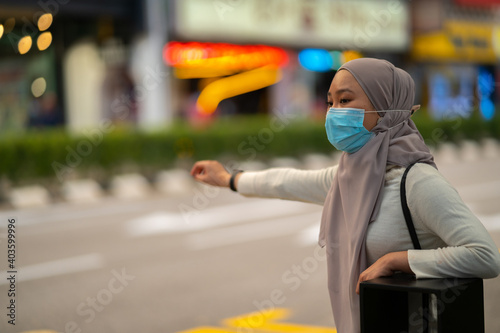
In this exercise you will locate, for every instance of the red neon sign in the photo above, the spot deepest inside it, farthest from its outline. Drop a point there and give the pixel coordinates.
(222, 55)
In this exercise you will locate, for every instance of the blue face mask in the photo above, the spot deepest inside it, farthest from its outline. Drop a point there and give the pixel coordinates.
(345, 130)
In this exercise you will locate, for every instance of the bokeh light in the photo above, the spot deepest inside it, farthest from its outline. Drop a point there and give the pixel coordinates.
(317, 60)
(44, 40)
(351, 55)
(44, 21)
(24, 44)
(38, 87)
(337, 59)
(9, 25)
(320, 60)
(487, 108)
(1, 31)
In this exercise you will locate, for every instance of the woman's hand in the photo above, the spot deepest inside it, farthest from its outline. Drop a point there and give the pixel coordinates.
(211, 173)
(386, 266)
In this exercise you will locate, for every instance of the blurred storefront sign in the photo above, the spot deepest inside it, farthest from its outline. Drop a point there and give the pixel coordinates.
(459, 41)
(319, 36)
(451, 91)
(196, 60)
(236, 69)
(360, 24)
(455, 91)
(496, 41)
(459, 62)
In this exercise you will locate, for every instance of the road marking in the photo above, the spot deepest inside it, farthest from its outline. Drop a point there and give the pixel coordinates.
(66, 212)
(253, 231)
(57, 267)
(254, 210)
(261, 321)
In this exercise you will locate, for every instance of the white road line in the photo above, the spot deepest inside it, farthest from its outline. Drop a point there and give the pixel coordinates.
(68, 212)
(195, 220)
(250, 232)
(55, 268)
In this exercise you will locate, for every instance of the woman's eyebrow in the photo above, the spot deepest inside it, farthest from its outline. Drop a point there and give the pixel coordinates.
(340, 91)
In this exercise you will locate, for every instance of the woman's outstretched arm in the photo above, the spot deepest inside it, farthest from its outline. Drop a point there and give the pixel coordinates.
(283, 183)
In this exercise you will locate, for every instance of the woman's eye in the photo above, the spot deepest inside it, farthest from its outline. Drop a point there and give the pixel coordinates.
(329, 104)
(343, 101)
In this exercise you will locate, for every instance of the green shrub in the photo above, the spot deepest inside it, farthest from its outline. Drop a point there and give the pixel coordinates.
(51, 153)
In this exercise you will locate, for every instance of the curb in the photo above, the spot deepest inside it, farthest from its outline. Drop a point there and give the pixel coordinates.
(129, 186)
(29, 197)
(177, 182)
(82, 191)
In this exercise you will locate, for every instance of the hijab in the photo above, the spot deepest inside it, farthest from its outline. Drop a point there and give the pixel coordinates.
(354, 198)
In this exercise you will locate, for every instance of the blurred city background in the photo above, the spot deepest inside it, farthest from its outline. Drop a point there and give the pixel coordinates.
(105, 105)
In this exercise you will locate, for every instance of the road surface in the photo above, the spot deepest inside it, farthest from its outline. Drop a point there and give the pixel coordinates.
(189, 263)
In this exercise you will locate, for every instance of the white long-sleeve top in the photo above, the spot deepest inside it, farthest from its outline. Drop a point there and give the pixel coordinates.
(454, 242)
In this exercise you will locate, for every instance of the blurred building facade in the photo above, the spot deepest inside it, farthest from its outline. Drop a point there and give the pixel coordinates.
(455, 56)
(145, 63)
(86, 69)
(317, 36)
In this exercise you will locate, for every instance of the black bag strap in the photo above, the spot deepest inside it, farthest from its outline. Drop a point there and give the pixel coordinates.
(406, 210)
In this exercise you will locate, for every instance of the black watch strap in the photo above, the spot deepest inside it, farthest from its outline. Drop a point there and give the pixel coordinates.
(231, 180)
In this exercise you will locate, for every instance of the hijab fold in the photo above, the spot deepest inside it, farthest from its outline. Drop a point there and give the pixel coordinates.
(354, 198)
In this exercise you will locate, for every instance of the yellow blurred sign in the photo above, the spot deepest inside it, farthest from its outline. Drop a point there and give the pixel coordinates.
(262, 321)
(239, 68)
(235, 85)
(496, 40)
(458, 41)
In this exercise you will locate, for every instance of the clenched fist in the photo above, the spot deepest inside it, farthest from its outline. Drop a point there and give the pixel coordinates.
(212, 173)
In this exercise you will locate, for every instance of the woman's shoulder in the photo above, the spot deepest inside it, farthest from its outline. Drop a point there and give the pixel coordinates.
(425, 178)
(424, 171)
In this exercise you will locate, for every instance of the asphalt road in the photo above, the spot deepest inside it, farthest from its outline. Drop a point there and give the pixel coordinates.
(164, 264)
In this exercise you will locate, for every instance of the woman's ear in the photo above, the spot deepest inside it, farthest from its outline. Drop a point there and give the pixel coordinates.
(415, 108)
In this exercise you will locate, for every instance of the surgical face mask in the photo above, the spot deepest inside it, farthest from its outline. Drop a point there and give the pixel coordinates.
(345, 130)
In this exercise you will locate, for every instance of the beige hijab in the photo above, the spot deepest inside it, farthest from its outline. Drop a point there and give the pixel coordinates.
(356, 193)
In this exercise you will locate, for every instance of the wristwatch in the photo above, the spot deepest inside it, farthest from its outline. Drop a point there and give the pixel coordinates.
(231, 180)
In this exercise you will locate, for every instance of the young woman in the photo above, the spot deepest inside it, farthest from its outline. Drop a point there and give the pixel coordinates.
(363, 227)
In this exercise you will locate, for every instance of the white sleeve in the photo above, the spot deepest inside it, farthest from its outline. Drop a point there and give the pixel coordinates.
(471, 252)
(290, 184)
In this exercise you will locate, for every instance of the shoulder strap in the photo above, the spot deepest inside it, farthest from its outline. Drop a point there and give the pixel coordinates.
(406, 210)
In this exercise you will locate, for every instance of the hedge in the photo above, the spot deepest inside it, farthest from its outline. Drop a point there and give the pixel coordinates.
(54, 154)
